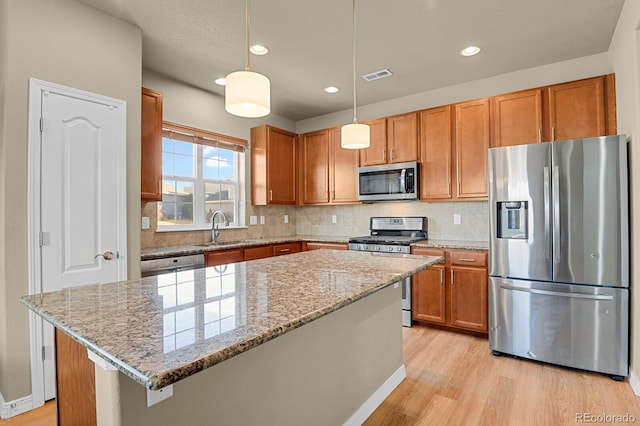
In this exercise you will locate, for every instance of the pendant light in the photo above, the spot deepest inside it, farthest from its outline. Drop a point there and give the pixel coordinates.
(247, 93)
(355, 135)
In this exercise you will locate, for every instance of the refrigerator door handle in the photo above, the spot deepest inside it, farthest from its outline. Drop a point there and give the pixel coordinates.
(547, 214)
(556, 212)
(557, 293)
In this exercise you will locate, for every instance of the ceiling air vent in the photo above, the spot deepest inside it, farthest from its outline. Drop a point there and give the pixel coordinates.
(377, 75)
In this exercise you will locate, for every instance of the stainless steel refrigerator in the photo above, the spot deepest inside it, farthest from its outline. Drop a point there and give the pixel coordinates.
(559, 253)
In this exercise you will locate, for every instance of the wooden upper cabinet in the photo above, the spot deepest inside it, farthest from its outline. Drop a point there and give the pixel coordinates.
(402, 138)
(472, 143)
(273, 166)
(393, 140)
(436, 165)
(376, 154)
(343, 171)
(577, 109)
(516, 118)
(315, 147)
(151, 146)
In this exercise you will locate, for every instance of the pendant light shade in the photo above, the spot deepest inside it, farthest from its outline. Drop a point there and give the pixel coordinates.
(247, 93)
(355, 135)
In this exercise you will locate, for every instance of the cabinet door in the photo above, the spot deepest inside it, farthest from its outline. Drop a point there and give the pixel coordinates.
(428, 295)
(315, 167)
(516, 118)
(253, 253)
(151, 146)
(402, 138)
(281, 167)
(472, 143)
(343, 167)
(436, 144)
(468, 303)
(213, 258)
(377, 151)
(577, 109)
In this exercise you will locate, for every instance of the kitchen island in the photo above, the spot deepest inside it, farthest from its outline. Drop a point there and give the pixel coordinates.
(336, 316)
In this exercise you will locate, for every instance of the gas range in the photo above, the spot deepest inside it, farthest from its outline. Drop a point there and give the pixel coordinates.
(391, 234)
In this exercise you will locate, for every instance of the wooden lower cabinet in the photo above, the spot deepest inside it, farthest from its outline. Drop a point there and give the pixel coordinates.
(307, 245)
(253, 253)
(75, 383)
(453, 294)
(221, 257)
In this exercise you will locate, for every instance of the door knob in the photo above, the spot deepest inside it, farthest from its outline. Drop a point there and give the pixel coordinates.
(107, 255)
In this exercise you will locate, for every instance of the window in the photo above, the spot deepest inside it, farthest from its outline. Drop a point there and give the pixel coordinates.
(202, 172)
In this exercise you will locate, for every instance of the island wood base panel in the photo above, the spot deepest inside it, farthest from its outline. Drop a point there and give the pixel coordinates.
(319, 374)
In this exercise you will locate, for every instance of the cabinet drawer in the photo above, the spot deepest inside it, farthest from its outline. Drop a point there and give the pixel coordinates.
(468, 258)
(286, 248)
(214, 258)
(253, 253)
(427, 251)
(331, 246)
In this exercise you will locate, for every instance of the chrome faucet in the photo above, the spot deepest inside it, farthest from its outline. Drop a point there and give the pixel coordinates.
(214, 228)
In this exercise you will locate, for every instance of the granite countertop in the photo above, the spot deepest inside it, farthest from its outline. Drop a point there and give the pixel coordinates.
(225, 245)
(453, 244)
(161, 329)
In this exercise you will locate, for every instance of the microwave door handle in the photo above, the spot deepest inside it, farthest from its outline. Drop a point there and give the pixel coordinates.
(403, 179)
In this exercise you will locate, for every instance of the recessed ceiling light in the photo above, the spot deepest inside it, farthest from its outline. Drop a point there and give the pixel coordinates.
(332, 89)
(220, 81)
(470, 51)
(258, 49)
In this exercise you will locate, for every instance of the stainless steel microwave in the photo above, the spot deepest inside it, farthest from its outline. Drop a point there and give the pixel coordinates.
(388, 182)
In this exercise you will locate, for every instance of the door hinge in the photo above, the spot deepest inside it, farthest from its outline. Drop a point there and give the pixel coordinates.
(41, 238)
(41, 124)
(44, 354)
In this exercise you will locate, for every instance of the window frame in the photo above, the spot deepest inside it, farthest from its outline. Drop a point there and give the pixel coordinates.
(201, 139)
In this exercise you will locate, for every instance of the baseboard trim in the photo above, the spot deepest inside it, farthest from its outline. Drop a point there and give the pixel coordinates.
(634, 381)
(377, 398)
(15, 407)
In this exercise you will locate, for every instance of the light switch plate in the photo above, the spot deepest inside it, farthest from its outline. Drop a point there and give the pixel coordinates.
(334, 218)
(145, 222)
(253, 220)
(261, 220)
(456, 219)
(286, 218)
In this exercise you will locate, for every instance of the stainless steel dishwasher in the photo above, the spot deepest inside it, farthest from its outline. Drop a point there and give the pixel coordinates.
(171, 264)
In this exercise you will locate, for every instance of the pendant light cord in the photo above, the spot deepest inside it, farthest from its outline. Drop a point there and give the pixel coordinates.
(355, 118)
(247, 22)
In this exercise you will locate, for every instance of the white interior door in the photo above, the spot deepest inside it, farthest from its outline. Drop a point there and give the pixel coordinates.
(82, 235)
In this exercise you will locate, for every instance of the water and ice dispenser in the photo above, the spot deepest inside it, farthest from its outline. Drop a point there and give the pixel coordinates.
(512, 219)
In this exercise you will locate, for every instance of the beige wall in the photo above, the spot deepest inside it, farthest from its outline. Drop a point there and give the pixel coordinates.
(625, 58)
(63, 42)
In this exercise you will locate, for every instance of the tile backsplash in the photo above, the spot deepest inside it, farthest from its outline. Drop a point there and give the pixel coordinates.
(350, 220)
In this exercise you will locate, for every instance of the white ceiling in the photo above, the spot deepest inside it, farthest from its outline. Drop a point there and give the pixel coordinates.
(310, 42)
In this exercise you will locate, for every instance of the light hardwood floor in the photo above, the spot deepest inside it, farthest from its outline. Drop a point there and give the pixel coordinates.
(452, 379)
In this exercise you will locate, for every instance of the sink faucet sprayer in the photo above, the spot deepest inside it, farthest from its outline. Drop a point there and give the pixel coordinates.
(214, 228)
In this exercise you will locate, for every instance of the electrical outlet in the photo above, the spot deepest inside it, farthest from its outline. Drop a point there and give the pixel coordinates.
(145, 222)
(334, 218)
(253, 220)
(286, 218)
(456, 219)
(261, 220)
